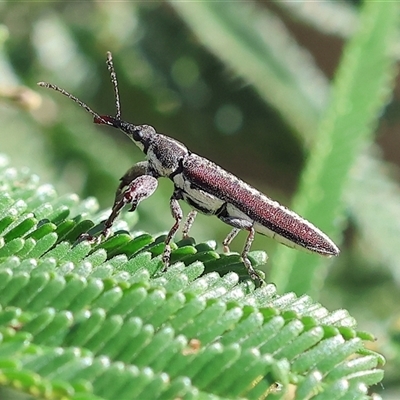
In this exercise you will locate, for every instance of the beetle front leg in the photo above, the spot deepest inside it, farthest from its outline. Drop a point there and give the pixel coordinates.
(139, 189)
(176, 212)
(134, 172)
(135, 186)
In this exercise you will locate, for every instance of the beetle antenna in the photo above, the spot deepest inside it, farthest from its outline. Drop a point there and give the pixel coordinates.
(110, 66)
(75, 99)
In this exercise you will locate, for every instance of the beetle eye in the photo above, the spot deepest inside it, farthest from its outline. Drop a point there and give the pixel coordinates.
(136, 132)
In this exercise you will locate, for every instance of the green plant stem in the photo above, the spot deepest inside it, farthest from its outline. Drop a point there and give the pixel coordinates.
(361, 89)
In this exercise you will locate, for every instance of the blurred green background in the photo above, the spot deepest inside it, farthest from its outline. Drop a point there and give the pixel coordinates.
(244, 84)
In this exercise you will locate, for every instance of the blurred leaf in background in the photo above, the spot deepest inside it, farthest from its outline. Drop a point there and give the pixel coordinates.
(253, 86)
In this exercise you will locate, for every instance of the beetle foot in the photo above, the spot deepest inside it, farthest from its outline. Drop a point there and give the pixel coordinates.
(252, 272)
(94, 239)
(87, 237)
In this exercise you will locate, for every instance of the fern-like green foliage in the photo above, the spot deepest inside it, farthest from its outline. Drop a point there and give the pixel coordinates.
(82, 321)
(248, 85)
(282, 73)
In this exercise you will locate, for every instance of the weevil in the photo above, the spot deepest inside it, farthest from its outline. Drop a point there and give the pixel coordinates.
(205, 186)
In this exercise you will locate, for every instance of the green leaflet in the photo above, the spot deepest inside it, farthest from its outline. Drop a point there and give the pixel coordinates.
(266, 54)
(83, 321)
(360, 91)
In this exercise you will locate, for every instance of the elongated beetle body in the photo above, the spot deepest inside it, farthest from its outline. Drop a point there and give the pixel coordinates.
(205, 186)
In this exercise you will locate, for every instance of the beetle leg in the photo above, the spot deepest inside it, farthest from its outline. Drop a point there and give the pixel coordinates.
(176, 212)
(239, 224)
(137, 170)
(252, 272)
(228, 240)
(139, 189)
(135, 186)
(188, 223)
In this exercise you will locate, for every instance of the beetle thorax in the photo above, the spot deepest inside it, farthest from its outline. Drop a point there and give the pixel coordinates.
(165, 155)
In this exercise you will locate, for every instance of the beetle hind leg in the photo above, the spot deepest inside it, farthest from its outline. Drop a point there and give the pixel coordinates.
(239, 224)
(252, 272)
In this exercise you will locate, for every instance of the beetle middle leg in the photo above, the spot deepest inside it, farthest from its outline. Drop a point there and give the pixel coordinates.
(188, 223)
(177, 213)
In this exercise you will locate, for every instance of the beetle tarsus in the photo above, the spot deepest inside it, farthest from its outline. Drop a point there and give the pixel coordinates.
(87, 237)
(166, 257)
